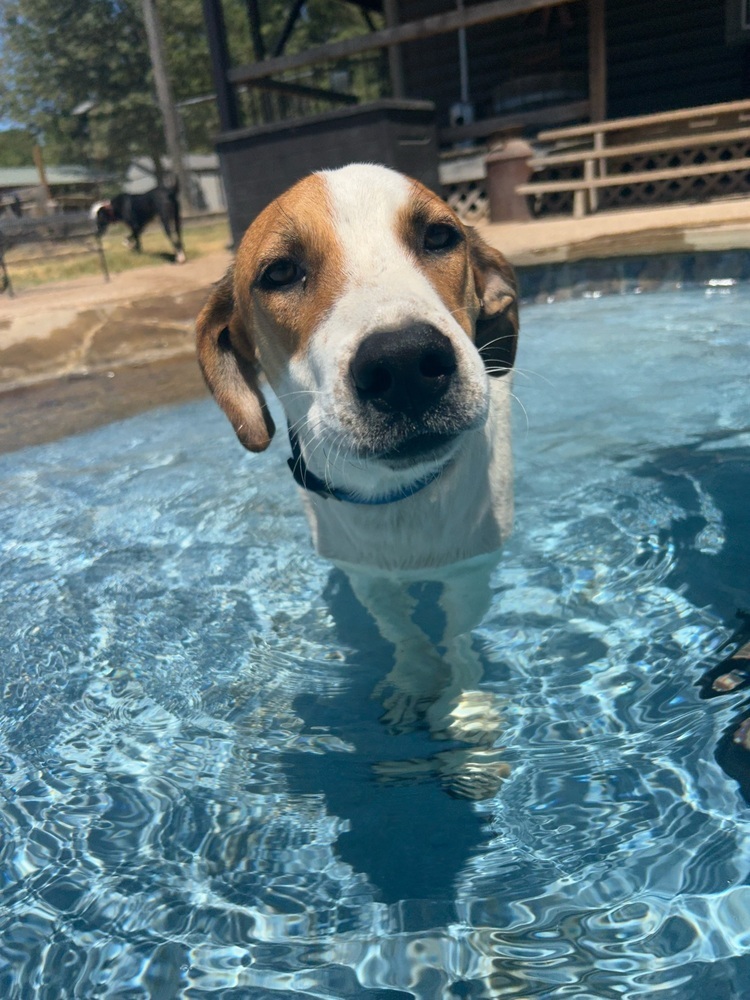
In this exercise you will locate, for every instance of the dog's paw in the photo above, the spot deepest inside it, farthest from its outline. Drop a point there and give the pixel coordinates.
(473, 717)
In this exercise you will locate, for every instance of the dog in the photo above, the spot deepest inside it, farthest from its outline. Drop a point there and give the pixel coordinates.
(137, 210)
(388, 330)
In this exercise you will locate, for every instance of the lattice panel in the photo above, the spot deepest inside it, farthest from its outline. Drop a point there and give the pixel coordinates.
(657, 192)
(553, 202)
(468, 199)
(683, 188)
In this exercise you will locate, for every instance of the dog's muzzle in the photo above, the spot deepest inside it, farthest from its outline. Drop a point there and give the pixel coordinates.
(402, 381)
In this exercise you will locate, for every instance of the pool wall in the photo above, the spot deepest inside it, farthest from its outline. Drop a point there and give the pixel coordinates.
(637, 273)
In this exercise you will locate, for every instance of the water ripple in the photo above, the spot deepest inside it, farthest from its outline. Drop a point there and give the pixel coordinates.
(193, 793)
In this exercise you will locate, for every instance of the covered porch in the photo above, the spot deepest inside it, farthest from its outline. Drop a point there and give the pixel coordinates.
(496, 72)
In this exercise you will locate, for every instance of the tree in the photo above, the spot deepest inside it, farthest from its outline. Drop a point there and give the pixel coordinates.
(77, 73)
(61, 56)
(16, 148)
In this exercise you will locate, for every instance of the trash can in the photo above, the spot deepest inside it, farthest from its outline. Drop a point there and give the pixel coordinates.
(507, 166)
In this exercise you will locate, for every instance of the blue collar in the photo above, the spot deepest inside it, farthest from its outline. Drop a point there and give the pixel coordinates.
(313, 484)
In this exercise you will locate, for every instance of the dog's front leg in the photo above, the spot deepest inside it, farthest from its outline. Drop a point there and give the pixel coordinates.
(418, 674)
(463, 711)
(436, 671)
(436, 676)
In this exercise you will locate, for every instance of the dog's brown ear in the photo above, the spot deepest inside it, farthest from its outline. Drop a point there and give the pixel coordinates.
(497, 324)
(230, 368)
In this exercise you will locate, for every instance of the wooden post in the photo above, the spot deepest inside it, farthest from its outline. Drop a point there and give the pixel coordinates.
(259, 51)
(39, 164)
(395, 64)
(226, 101)
(164, 97)
(597, 90)
(597, 60)
(288, 28)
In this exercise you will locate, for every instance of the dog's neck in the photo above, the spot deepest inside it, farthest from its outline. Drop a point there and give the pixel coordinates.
(322, 488)
(465, 512)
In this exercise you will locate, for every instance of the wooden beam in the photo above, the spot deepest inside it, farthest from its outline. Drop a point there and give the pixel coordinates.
(285, 87)
(302, 90)
(684, 141)
(288, 28)
(427, 27)
(395, 66)
(597, 60)
(702, 116)
(226, 102)
(637, 177)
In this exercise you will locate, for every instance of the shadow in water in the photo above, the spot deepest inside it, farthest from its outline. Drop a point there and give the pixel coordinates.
(412, 825)
(710, 479)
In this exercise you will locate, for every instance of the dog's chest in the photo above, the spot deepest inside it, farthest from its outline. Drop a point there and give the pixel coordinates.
(466, 512)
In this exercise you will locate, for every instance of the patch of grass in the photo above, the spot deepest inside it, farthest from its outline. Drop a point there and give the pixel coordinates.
(57, 263)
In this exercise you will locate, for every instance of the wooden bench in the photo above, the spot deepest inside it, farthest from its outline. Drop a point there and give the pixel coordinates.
(597, 154)
(47, 237)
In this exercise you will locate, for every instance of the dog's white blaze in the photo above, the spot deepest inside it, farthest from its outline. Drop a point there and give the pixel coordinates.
(366, 201)
(384, 289)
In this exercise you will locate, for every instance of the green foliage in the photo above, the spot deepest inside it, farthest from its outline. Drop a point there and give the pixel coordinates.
(16, 146)
(60, 54)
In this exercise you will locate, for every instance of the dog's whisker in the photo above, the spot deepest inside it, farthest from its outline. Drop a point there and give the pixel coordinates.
(339, 443)
(296, 426)
(330, 459)
(526, 373)
(299, 392)
(523, 408)
(496, 340)
(320, 446)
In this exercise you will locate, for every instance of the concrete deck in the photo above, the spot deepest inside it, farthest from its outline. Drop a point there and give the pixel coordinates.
(82, 353)
(713, 226)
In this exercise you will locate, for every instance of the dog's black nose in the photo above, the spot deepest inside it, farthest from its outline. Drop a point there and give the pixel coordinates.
(404, 371)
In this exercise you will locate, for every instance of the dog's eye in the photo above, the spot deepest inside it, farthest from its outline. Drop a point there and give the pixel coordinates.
(281, 274)
(440, 236)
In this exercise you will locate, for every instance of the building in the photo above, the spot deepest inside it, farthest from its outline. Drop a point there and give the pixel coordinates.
(493, 69)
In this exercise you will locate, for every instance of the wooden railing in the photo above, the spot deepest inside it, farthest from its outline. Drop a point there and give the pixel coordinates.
(711, 143)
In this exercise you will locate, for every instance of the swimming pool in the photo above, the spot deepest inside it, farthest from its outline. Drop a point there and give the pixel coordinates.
(191, 756)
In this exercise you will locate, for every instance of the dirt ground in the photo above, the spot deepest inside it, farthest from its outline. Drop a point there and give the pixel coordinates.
(80, 354)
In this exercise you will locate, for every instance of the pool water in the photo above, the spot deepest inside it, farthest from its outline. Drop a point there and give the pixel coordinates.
(194, 767)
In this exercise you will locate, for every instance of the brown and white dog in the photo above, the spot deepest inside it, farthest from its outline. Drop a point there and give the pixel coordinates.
(387, 329)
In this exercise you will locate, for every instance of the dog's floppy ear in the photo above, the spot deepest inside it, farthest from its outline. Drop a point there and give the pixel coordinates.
(230, 368)
(497, 324)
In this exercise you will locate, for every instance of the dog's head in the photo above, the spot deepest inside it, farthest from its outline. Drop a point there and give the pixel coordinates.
(376, 317)
(102, 213)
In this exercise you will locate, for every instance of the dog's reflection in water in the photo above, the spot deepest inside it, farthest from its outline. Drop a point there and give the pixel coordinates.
(433, 684)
